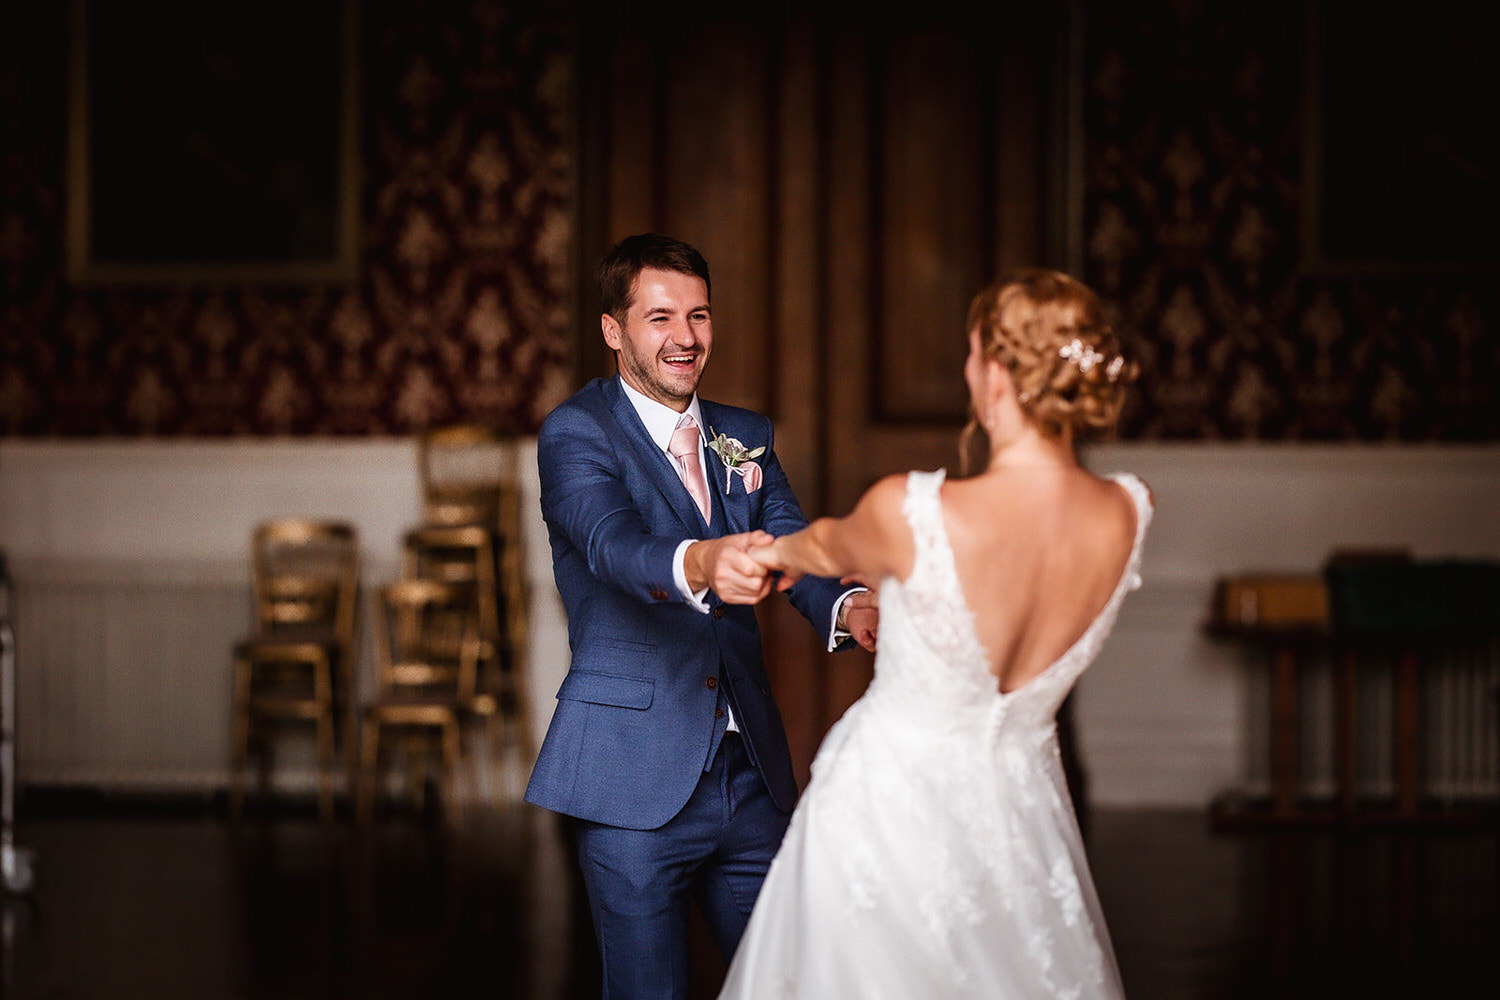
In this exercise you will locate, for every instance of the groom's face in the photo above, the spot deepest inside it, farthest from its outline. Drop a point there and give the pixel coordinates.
(663, 345)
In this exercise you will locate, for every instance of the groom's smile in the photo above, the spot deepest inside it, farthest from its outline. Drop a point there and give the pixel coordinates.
(664, 343)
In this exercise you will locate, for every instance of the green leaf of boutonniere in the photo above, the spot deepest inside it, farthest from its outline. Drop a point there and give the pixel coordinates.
(732, 452)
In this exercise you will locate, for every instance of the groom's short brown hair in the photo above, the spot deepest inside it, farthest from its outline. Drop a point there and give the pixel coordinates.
(626, 260)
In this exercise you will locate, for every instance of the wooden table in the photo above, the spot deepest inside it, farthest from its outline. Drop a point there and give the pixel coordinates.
(1288, 648)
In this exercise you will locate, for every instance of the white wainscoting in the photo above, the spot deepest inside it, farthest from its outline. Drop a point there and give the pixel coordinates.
(131, 568)
(132, 581)
(1167, 716)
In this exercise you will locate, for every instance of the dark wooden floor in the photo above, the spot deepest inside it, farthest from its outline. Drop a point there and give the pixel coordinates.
(168, 903)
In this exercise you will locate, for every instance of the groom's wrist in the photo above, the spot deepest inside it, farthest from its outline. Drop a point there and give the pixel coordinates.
(695, 558)
(838, 630)
(693, 595)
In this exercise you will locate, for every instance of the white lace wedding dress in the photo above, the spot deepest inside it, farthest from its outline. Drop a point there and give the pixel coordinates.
(935, 853)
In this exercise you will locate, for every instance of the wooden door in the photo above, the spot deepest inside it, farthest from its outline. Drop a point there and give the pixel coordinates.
(853, 179)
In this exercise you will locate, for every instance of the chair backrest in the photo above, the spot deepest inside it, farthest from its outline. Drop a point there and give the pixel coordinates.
(470, 475)
(457, 553)
(306, 575)
(426, 642)
(466, 469)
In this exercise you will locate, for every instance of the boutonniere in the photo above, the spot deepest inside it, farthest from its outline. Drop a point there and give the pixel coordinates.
(737, 461)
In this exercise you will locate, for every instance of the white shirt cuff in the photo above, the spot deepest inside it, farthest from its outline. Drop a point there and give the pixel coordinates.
(837, 635)
(694, 598)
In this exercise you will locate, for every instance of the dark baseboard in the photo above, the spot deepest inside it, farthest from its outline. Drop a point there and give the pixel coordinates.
(74, 801)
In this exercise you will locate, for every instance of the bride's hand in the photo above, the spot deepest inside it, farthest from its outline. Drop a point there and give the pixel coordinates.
(766, 554)
(770, 556)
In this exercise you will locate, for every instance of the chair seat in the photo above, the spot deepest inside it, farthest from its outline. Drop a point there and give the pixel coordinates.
(300, 641)
(393, 708)
(287, 706)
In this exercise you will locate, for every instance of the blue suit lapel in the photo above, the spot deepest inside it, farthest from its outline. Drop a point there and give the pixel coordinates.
(727, 487)
(655, 461)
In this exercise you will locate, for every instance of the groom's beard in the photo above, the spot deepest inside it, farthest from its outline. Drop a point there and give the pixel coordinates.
(670, 385)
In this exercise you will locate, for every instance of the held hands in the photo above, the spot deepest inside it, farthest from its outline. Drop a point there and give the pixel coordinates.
(726, 566)
(861, 616)
(860, 613)
(738, 568)
(772, 559)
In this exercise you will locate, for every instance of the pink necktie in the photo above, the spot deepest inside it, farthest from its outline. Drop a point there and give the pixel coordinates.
(684, 448)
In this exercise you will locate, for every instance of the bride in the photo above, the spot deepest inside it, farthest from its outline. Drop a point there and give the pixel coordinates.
(935, 852)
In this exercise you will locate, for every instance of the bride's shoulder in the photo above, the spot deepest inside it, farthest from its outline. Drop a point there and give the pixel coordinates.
(1134, 485)
(887, 494)
(886, 503)
(894, 492)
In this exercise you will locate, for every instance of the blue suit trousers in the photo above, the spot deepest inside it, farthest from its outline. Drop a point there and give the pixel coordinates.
(716, 851)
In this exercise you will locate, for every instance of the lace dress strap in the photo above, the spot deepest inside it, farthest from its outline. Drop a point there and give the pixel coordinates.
(923, 510)
(1141, 496)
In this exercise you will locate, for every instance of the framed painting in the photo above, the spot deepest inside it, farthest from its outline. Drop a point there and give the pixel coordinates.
(1401, 160)
(212, 143)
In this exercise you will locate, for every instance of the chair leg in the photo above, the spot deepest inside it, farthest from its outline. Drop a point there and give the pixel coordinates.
(325, 725)
(265, 757)
(518, 710)
(347, 721)
(416, 769)
(452, 754)
(492, 740)
(350, 736)
(240, 752)
(369, 770)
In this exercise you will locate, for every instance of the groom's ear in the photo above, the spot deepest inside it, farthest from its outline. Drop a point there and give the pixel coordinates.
(610, 327)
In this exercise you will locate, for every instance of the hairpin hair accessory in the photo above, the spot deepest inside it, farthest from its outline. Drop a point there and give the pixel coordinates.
(1081, 354)
(1086, 359)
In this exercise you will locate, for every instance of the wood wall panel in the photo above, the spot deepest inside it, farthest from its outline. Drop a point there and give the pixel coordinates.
(852, 251)
(853, 180)
(718, 171)
(936, 228)
(798, 353)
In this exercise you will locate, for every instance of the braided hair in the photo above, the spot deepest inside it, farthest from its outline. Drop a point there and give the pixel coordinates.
(1049, 331)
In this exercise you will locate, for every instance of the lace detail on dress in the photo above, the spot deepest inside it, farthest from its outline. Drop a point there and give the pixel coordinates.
(937, 603)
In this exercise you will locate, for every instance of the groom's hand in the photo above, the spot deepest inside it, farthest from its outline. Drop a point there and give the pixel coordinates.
(861, 617)
(725, 566)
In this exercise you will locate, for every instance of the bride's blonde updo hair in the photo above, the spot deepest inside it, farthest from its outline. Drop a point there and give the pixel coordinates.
(1049, 331)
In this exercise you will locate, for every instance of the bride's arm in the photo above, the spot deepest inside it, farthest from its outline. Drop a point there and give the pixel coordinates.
(870, 542)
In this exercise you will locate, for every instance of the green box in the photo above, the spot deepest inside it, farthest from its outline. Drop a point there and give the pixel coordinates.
(1452, 595)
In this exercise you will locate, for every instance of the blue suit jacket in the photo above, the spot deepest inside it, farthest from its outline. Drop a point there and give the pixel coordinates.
(635, 723)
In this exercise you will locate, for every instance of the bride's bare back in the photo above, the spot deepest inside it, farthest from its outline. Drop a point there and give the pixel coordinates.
(1038, 553)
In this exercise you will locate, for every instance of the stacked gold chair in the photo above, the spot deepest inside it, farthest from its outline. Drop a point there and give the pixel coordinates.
(298, 663)
(463, 555)
(464, 469)
(472, 535)
(427, 651)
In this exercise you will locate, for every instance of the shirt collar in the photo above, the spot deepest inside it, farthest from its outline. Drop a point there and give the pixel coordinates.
(660, 419)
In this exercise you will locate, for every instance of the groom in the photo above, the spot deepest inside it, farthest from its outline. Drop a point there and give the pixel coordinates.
(665, 744)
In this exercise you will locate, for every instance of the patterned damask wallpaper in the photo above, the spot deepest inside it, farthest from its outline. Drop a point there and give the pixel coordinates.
(1193, 174)
(462, 307)
(1193, 135)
